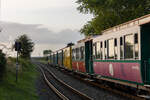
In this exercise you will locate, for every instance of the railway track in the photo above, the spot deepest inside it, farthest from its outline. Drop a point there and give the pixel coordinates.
(63, 90)
(113, 90)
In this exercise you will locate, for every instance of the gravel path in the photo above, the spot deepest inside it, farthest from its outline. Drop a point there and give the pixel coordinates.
(96, 93)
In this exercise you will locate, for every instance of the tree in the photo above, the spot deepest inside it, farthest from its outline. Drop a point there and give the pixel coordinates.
(46, 52)
(27, 46)
(87, 29)
(108, 13)
(3, 62)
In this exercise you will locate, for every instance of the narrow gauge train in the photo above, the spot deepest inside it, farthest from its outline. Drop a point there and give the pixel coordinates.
(120, 55)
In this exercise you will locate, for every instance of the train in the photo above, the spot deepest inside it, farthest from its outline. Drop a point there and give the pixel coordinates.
(121, 54)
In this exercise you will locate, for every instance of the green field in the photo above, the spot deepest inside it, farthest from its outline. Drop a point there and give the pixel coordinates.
(25, 88)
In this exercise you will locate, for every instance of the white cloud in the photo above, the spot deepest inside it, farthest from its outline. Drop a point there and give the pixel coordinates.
(57, 14)
(28, 4)
(49, 23)
(43, 37)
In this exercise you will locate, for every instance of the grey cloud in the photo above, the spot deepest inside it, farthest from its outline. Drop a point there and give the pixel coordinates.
(38, 33)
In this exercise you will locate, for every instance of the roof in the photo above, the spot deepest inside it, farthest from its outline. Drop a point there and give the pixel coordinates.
(139, 21)
(85, 39)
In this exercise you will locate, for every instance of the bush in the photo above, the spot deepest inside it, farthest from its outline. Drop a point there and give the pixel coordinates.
(3, 62)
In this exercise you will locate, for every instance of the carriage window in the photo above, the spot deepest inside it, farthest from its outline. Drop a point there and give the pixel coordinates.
(121, 48)
(67, 53)
(136, 38)
(111, 49)
(116, 48)
(94, 50)
(101, 44)
(77, 54)
(82, 53)
(73, 54)
(136, 46)
(105, 49)
(98, 50)
(64, 53)
(121, 41)
(129, 43)
(101, 51)
(115, 42)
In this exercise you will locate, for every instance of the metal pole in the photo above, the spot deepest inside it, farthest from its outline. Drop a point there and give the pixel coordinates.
(17, 65)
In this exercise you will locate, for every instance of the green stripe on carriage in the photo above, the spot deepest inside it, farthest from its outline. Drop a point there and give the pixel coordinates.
(122, 61)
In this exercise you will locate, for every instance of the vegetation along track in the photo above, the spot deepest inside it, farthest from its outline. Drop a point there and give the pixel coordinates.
(105, 87)
(61, 88)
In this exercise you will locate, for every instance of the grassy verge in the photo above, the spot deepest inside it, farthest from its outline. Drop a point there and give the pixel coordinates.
(43, 61)
(25, 88)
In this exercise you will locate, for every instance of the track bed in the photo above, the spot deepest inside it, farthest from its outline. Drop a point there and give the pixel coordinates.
(94, 92)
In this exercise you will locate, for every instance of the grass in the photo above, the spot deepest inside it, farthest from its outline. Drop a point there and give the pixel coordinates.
(43, 60)
(25, 88)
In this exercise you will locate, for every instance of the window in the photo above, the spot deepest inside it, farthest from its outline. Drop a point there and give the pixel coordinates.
(116, 48)
(129, 44)
(98, 50)
(73, 54)
(94, 50)
(111, 49)
(115, 42)
(105, 50)
(121, 41)
(77, 54)
(101, 50)
(82, 52)
(64, 52)
(68, 52)
(121, 48)
(136, 46)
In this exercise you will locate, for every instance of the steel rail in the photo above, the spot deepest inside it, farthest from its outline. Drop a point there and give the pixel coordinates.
(134, 97)
(82, 95)
(52, 87)
(113, 90)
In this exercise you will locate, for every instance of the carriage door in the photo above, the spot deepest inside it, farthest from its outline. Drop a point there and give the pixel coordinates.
(89, 57)
(145, 52)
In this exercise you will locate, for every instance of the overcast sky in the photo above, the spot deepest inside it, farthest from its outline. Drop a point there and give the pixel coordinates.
(50, 23)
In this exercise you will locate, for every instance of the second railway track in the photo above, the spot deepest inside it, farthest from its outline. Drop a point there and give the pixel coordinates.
(63, 90)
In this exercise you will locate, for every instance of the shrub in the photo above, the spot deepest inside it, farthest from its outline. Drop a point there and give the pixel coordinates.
(3, 63)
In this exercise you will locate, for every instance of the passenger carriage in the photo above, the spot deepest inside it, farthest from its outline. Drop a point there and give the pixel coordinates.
(121, 54)
(60, 57)
(67, 58)
(52, 58)
(78, 57)
(117, 55)
(55, 58)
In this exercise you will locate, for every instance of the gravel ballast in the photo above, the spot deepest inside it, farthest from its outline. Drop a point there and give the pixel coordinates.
(44, 92)
(94, 92)
(61, 88)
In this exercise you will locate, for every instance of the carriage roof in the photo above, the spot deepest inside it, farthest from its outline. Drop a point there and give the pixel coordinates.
(136, 22)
